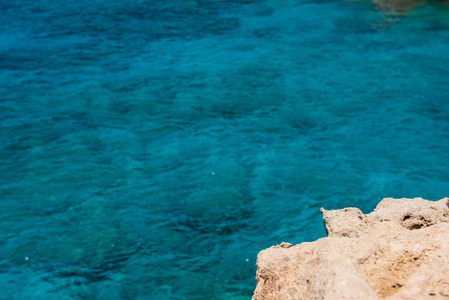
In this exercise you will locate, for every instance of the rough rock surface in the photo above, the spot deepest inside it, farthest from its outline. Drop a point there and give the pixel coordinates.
(399, 251)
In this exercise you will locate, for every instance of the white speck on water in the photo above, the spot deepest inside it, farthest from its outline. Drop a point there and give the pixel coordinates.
(247, 260)
(27, 258)
(213, 173)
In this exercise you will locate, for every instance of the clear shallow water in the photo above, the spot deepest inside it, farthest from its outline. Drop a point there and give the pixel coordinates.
(150, 149)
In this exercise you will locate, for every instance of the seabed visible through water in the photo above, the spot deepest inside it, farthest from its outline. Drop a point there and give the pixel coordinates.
(150, 149)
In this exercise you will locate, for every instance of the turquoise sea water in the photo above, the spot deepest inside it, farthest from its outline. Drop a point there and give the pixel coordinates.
(150, 149)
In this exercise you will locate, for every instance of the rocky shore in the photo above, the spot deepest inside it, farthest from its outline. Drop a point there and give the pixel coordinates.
(399, 251)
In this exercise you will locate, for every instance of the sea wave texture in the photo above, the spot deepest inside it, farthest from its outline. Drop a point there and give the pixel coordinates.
(150, 149)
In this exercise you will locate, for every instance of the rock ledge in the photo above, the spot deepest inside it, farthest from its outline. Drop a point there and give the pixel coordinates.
(399, 251)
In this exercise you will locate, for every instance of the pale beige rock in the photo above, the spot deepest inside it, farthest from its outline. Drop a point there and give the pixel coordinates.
(399, 251)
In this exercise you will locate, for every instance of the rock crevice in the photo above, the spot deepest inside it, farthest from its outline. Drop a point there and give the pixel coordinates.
(399, 251)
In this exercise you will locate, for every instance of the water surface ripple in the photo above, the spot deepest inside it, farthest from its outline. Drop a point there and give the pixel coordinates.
(150, 149)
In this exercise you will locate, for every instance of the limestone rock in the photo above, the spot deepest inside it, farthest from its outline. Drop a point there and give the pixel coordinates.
(399, 251)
